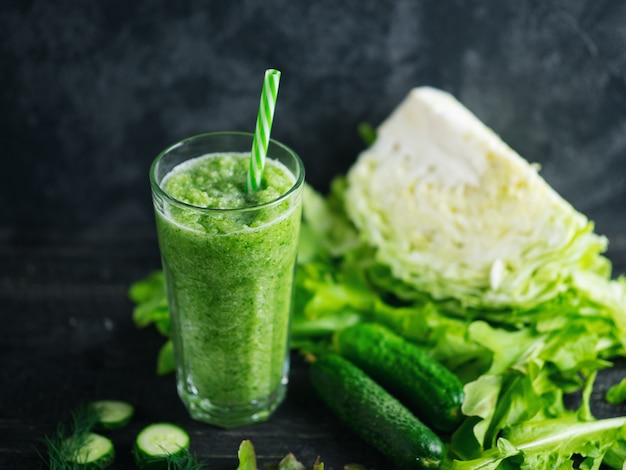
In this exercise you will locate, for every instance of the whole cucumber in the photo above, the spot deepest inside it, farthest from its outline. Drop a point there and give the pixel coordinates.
(428, 388)
(374, 415)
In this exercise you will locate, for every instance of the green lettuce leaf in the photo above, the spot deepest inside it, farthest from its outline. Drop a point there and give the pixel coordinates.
(165, 359)
(248, 461)
(615, 457)
(247, 456)
(151, 308)
(617, 393)
(150, 302)
(551, 443)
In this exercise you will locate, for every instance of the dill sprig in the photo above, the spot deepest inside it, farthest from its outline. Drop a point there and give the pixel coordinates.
(181, 460)
(67, 440)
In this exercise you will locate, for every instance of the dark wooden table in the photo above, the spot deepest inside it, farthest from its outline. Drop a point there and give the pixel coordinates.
(67, 337)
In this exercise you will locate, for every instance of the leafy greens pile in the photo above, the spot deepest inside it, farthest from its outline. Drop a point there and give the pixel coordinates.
(502, 280)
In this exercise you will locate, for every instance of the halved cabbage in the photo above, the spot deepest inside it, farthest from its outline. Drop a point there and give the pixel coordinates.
(455, 212)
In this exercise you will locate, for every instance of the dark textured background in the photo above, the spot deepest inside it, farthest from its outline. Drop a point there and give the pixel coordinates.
(91, 91)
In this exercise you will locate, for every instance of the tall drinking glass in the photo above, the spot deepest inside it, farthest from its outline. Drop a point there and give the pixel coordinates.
(228, 257)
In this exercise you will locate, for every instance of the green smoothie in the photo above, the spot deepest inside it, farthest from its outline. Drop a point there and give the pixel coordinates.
(228, 258)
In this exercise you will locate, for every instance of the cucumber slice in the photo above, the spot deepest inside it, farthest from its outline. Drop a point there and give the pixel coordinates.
(158, 442)
(113, 414)
(91, 451)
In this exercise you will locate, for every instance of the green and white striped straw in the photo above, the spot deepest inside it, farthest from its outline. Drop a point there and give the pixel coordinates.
(264, 119)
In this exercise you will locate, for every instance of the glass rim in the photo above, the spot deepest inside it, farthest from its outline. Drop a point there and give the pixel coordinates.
(156, 187)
